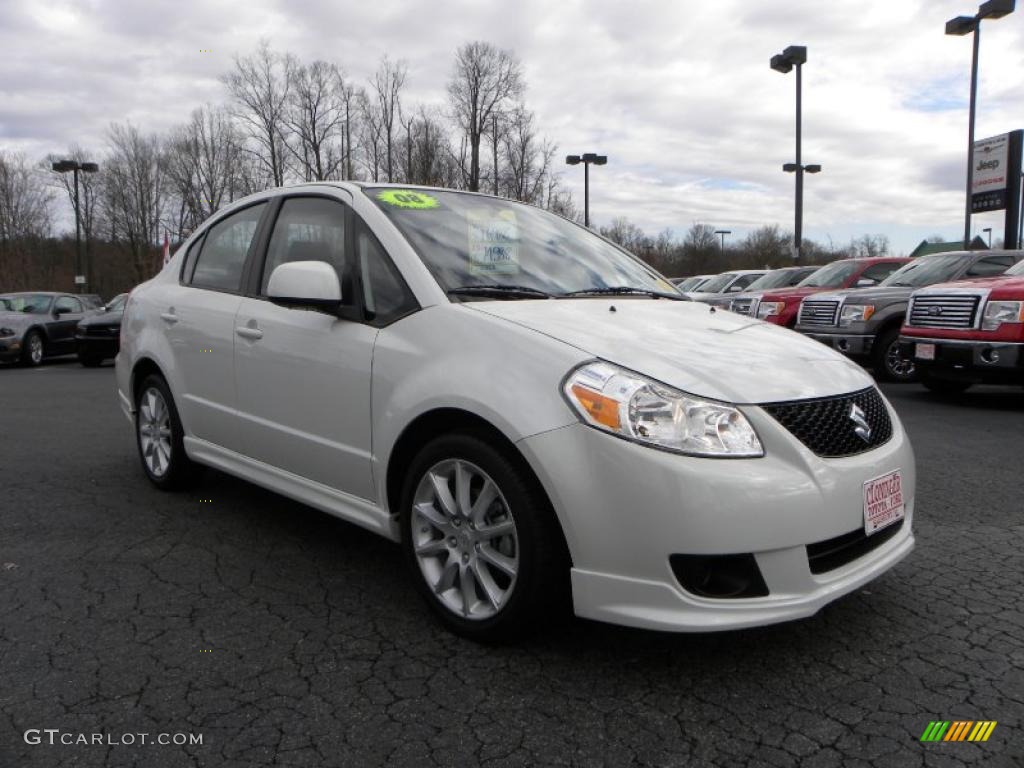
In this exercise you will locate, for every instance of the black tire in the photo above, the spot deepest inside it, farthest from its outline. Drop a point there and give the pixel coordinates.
(945, 386)
(31, 354)
(541, 584)
(179, 471)
(90, 361)
(888, 364)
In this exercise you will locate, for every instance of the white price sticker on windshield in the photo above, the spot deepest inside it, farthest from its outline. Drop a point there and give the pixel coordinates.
(493, 242)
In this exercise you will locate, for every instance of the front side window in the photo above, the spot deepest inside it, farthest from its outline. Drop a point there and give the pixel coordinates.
(309, 229)
(224, 250)
(468, 241)
(68, 304)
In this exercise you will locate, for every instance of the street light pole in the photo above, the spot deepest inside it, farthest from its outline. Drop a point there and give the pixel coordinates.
(963, 25)
(63, 166)
(586, 159)
(989, 230)
(723, 233)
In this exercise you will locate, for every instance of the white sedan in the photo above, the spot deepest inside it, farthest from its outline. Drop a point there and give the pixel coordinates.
(532, 412)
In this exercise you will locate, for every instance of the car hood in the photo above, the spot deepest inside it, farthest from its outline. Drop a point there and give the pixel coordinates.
(103, 318)
(17, 319)
(877, 295)
(790, 294)
(718, 355)
(1001, 282)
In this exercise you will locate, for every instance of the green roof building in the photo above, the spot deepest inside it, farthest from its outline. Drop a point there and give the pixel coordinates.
(926, 248)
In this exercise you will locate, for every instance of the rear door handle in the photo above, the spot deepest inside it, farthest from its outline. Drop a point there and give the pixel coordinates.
(249, 333)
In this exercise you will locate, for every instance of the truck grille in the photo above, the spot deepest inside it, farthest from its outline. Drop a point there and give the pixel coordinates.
(818, 312)
(943, 311)
(744, 306)
(827, 427)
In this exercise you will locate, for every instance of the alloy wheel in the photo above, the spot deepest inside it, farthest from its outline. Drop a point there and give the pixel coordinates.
(464, 539)
(155, 431)
(900, 367)
(35, 349)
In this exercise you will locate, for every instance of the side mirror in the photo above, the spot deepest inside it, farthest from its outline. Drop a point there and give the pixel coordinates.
(58, 311)
(305, 285)
(865, 281)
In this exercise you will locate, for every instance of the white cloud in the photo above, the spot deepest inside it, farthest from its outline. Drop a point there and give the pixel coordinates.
(679, 95)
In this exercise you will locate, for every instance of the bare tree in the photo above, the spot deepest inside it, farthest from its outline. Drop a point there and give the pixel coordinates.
(351, 101)
(387, 87)
(259, 85)
(25, 200)
(485, 78)
(528, 159)
(372, 137)
(316, 118)
(134, 194)
(202, 163)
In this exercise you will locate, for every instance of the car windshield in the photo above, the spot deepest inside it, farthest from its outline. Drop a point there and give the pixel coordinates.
(117, 303)
(687, 283)
(832, 275)
(483, 246)
(1016, 269)
(30, 303)
(778, 278)
(926, 270)
(717, 283)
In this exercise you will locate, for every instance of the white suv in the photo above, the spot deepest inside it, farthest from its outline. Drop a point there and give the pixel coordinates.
(530, 410)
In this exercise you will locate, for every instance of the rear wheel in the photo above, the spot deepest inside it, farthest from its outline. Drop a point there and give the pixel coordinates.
(160, 437)
(888, 363)
(32, 348)
(481, 539)
(945, 386)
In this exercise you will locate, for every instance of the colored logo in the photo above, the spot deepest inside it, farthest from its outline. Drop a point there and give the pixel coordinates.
(408, 198)
(861, 427)
(958, 730)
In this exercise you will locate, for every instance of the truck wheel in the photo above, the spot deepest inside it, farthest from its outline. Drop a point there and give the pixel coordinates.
(945, 386)
(887, 361)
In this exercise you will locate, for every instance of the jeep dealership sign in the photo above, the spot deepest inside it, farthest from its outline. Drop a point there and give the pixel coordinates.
(991, 161)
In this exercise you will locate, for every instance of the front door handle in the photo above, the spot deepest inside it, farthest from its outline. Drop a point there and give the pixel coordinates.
(249, 333)
(169, 316)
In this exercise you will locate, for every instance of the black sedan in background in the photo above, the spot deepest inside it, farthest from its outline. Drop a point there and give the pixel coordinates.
(98, 336)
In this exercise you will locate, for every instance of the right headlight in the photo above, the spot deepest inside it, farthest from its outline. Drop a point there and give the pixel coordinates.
(636, 408)
(855, 313)
(999, 312)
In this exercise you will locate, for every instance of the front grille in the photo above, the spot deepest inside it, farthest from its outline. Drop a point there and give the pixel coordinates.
(744, 306)
(818, 312)
(827, 425)
(824, 556)
(943, 311)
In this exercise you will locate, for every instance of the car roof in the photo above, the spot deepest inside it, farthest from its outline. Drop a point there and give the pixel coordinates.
(36, 293)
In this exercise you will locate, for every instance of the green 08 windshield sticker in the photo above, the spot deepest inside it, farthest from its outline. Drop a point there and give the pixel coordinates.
(408, 198)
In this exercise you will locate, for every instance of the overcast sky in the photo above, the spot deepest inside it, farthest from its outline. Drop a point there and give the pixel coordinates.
(679, 95)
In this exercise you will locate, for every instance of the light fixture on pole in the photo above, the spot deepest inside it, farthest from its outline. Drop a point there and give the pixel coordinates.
(796, 56)
(989, 230)
(63, 166)
(586, 158)
(963, 25)
(723, 233)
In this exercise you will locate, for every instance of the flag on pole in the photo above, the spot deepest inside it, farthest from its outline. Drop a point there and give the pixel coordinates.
(167, 249)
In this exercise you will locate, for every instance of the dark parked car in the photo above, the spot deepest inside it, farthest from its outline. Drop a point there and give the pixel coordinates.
(98, 336)
(39, 325)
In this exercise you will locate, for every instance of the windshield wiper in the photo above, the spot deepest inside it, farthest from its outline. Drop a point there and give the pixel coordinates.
(500, 291)
(624, 290)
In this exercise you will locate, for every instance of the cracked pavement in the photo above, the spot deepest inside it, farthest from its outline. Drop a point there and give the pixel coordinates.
(288, 638)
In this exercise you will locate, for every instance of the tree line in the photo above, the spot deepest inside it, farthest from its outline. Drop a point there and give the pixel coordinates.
(283, 120)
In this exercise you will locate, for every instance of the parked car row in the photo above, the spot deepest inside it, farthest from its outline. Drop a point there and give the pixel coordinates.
(41, 324)
(947, 318)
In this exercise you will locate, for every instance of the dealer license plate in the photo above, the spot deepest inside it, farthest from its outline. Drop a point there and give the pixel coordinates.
(883, 501)
(924, 351)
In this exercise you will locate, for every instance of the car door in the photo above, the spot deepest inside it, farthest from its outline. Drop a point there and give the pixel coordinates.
(303, 376)
(198, 318)
(67, 312)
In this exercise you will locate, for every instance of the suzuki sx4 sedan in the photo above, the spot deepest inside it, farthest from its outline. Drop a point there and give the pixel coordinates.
(535, 415)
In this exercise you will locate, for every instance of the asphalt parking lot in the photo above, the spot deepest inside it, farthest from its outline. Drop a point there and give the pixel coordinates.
(288, 638)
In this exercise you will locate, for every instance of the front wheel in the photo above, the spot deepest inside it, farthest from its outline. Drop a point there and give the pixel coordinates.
(32, 349)
(160, 437)
(888, 363)
(481, 539)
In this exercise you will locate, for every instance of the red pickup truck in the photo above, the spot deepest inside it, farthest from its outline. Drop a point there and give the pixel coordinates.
(780, 306)
(968, 332)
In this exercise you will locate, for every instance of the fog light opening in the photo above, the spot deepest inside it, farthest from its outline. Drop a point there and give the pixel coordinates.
(719, 576)
(843, 345)
(990, 355)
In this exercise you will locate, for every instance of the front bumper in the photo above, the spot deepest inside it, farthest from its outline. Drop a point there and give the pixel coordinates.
(10, 348)
(626, 509)
(96, 347)
(968, 360)
(852, 344)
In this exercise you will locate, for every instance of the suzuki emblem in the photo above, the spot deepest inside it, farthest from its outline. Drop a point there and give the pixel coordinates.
(862, 429)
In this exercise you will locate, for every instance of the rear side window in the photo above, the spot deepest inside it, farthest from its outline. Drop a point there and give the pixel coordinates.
(990, 265)
(224, 250)
(309, 229)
